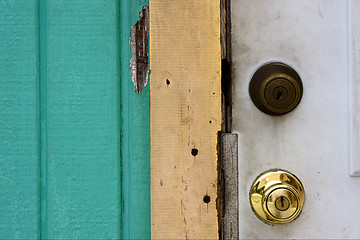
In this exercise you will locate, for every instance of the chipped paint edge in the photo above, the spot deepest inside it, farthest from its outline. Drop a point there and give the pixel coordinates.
(139, 81)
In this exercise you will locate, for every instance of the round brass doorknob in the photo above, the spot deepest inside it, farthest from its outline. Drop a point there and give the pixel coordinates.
(276, 88)
(277, 196)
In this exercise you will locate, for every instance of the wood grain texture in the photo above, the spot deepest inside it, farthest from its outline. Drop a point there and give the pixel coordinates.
(19, 123)
(229, 161)
(185, 114)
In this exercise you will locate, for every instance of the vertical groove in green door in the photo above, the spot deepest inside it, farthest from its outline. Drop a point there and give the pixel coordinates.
(19, 149)
(42, 101)
(135, 137)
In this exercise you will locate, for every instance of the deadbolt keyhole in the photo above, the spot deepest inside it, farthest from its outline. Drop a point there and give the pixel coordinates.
(280, 93)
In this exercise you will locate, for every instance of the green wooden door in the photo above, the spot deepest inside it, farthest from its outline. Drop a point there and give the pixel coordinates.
(74, 135)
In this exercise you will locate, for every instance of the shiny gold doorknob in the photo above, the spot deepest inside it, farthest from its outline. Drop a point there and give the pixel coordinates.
(277, 196)
(276, 88)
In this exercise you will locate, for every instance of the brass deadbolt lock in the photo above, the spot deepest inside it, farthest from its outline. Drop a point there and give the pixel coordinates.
(276, 88)
(277, 196)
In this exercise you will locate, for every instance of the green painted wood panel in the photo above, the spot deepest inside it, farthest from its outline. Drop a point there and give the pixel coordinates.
(83, 117)
(19, 123)
(74, 136)
(135, 144)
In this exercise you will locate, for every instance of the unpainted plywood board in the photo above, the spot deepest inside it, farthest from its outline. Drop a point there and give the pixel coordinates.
(185, 116)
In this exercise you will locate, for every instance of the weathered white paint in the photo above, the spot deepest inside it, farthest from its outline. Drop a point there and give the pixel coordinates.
(313, 140)
(354, 77)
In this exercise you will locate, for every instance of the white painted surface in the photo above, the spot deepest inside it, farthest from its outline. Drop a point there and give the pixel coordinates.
(312, 141)
(354, 77)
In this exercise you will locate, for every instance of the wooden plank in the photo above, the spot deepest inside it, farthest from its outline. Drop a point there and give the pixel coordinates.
(83, 120)
(185, 114)
(229, 160)
(19, 126)
(135, 136)
(354, 81)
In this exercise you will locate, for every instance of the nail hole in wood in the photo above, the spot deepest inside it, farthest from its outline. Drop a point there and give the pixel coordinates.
(206, 199)
(194, 152)
(167, 82)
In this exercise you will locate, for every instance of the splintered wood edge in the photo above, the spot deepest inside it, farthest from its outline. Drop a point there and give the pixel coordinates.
(185, 117)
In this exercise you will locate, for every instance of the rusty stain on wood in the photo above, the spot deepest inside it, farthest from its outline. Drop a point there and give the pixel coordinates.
(185, 118)
(139, 63)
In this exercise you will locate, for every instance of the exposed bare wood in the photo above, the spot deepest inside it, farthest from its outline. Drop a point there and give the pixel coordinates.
(139, 39)
(185, 113)
(229, 156)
